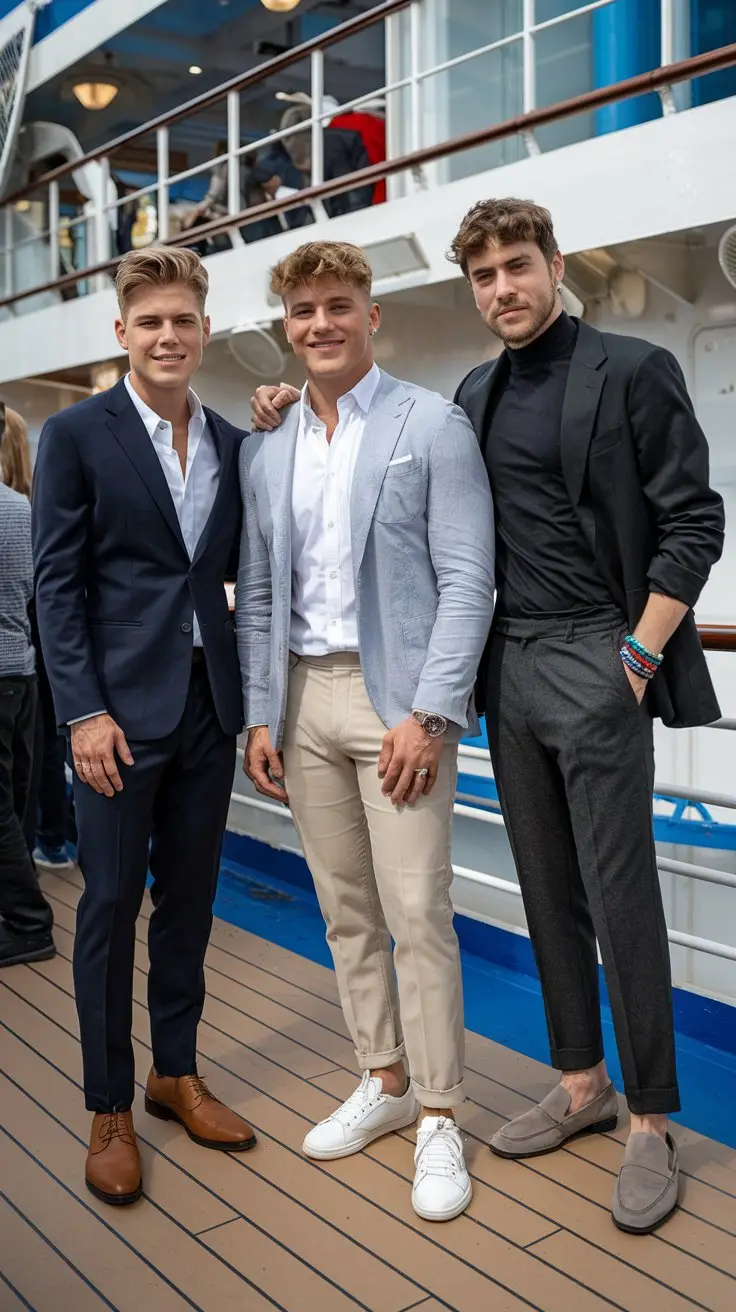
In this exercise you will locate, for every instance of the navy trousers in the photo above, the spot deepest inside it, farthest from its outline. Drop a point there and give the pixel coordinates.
(169, 818)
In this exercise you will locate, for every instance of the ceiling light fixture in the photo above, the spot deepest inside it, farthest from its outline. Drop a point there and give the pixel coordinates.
(95, 95)
(195, 70)
(280, 6)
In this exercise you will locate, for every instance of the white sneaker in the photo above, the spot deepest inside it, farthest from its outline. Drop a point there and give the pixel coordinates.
(442, 1187)
(367, 1114)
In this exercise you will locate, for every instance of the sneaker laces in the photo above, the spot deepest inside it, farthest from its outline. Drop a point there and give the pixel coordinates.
(367, 1096)
(439, 1149)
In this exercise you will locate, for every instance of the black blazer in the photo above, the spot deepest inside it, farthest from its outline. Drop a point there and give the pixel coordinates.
(115, 588)
(635, 461)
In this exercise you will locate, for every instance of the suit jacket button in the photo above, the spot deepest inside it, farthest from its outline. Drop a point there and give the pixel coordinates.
(186, 628)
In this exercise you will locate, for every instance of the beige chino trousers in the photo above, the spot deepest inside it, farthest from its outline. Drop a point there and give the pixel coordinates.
(380, 872)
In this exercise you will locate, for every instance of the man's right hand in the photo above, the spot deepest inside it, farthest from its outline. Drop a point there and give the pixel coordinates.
(94, 744)
(267, 403)
(263, 765)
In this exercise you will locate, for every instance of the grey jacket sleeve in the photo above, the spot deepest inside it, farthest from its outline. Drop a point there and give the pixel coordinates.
(461, 544)
(253, 601)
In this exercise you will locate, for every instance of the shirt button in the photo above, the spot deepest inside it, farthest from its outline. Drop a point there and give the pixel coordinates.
(331, 524)
(333, 574)
(186, 628)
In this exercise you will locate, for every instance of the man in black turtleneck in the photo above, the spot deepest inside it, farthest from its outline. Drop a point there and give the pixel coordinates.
(607, 529)
(544, 564)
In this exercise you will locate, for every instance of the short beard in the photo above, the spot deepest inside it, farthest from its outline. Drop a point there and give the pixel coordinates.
(540, 319)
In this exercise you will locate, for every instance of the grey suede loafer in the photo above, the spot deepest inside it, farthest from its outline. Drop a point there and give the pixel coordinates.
(647, 1188)
(547, 1126)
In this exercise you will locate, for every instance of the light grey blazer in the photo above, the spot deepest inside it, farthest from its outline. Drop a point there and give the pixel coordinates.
(423, 557)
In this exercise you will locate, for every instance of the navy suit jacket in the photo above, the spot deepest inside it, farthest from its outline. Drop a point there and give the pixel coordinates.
(116, 590)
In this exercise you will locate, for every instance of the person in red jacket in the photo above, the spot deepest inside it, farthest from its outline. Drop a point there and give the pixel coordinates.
(369, 121)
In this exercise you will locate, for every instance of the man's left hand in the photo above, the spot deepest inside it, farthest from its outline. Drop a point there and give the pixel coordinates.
(407, 750)
(638, 684)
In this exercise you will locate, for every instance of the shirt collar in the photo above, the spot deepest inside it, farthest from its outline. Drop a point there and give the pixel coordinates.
(363, 392)
(151, 420)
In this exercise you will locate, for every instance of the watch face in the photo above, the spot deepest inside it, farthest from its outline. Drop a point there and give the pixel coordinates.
(434, 725)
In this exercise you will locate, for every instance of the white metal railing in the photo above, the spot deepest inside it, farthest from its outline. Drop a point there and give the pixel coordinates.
(476, 761)
(100, 215)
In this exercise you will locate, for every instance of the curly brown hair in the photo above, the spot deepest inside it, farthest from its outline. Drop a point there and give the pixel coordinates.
(316, 260)
(503, 222)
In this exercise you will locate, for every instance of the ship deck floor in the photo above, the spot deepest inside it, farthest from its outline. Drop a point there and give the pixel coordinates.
(270, 1229)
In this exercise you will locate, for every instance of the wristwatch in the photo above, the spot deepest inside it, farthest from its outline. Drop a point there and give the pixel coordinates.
(433, 725)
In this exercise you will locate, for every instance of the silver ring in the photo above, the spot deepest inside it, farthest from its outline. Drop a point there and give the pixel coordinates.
(423, 773)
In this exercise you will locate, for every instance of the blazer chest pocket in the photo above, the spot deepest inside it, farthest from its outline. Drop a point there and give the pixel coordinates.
(403, 493)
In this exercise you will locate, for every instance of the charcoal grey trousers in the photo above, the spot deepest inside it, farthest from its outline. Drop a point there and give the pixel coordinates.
(573, 758)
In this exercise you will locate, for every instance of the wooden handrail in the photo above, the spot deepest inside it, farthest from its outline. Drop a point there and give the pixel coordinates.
(698, 66)
(260, 73)
(718, 637)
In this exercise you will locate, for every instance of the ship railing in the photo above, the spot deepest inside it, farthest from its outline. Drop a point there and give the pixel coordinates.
(405, 96)
(475, 761)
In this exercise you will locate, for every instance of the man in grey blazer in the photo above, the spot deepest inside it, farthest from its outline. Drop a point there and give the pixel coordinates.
(364, 599)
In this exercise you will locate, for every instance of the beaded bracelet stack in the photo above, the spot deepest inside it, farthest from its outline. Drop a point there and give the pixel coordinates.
(639, 658)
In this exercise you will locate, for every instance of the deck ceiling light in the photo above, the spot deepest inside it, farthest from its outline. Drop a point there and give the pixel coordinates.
(280, 6)
(95, 95)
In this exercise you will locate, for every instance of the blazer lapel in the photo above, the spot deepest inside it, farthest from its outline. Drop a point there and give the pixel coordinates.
(580, 409)
(477, 396)
(386, 418)
(226, 454)
(128, 429)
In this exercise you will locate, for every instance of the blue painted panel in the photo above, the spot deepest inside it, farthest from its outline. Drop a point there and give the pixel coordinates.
(626, 41)
(713, 24)
(48, 20)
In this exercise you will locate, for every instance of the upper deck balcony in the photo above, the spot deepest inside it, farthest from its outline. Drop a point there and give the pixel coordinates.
(618, 115)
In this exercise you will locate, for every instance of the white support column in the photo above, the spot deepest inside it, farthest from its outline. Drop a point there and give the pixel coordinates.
(234, 203)
(676, 46)
(318, 94)
(54, 252)
(162, 182)
(417, 98)
(530, 71)
(102, 231)
(394, 70)
(8, 241)
(416, 138)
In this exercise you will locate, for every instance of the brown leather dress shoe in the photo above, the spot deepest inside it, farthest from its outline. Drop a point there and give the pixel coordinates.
(206, 1120)
(113, 1171)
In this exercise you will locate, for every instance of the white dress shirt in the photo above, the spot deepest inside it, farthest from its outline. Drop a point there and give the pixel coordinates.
(192, 492)
(323, 612)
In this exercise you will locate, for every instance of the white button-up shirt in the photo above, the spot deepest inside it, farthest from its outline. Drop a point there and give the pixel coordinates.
(192, 492)
(323, 611)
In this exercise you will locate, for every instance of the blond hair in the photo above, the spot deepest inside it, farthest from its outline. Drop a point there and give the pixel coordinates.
(160, 266)
(503, 222)
(317, 260)
(15, 454)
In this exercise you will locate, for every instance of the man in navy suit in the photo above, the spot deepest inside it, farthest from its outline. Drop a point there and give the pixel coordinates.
(136, 519)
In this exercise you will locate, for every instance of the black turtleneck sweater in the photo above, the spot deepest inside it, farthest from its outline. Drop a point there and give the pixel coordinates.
(544, 565)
